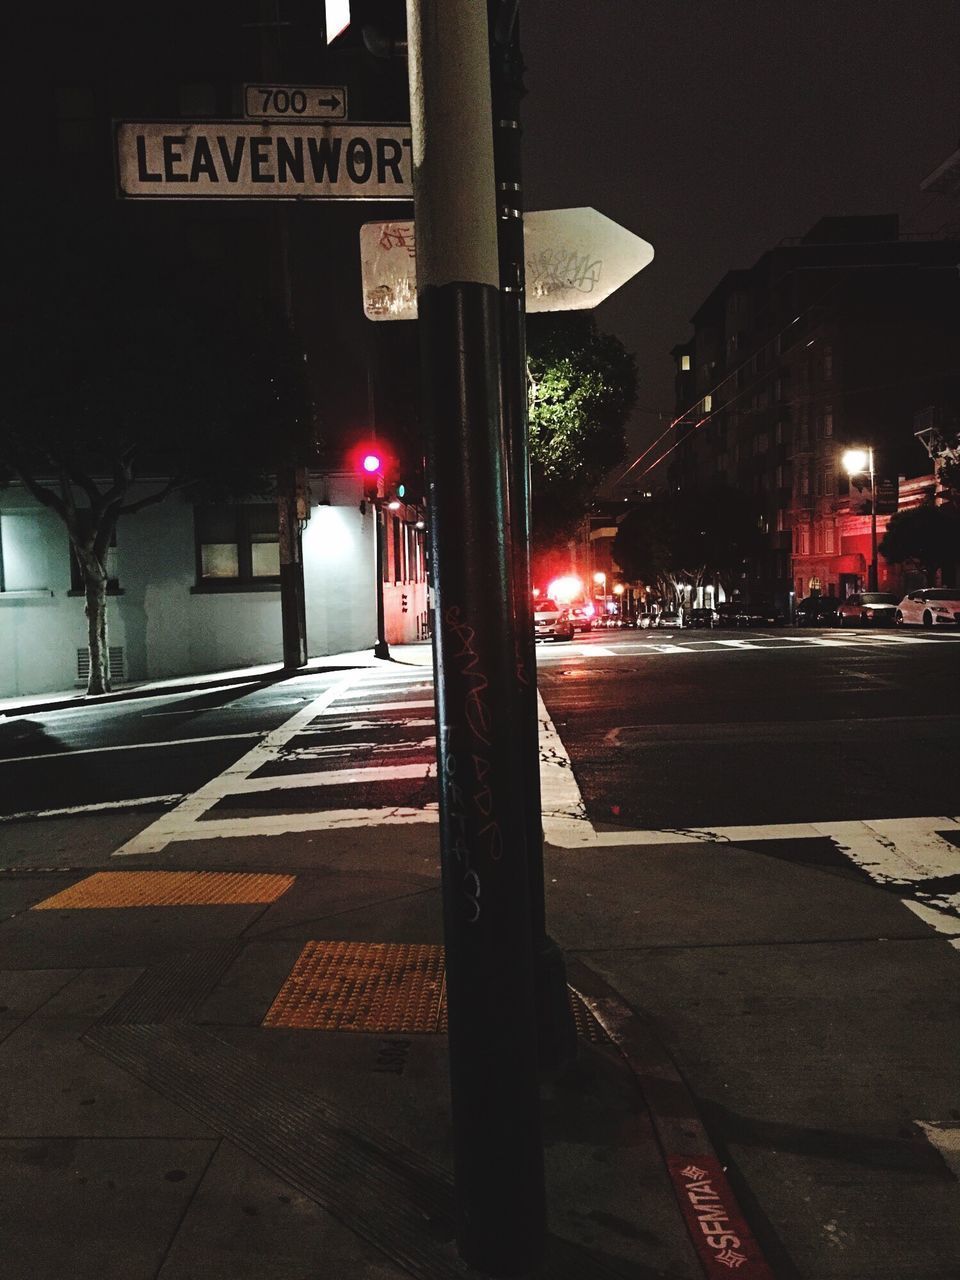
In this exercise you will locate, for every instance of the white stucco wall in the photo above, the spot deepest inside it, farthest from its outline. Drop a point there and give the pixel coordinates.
(166, 626)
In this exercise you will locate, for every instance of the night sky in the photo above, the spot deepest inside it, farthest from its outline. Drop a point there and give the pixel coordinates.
(716, 128)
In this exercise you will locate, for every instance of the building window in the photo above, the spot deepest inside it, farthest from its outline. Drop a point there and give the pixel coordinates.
(237, 546)
(828, 420)
(22, 565)
(684, 364)
(707, 403)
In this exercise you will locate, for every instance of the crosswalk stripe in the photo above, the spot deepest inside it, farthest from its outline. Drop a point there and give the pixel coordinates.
(330, 778)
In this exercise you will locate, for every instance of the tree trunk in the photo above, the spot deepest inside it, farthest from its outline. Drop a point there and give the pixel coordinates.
(95, 586)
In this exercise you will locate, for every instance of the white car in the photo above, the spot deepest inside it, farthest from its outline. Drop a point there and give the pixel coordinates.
(930, 607)
(551, 621)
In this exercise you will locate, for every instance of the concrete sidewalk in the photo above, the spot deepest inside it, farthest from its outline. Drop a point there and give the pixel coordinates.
(228, 1060)
(227, 1075)
(240, 1080)
(420, 654)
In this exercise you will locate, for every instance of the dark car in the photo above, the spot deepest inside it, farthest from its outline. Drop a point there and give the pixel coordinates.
(703, 618)
(818, 611)
(760, 613)
(869, 608)
(731, 614)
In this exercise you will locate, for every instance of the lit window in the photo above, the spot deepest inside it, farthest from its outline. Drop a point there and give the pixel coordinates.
(707, 403)
(684, 364)
(237, 545)
(22, 565)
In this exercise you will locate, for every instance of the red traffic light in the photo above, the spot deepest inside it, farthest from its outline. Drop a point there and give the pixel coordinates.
(371, 463)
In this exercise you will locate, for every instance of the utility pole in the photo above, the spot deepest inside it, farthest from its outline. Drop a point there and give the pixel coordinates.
(556, 1030)
(498, 1154)
(291, 477)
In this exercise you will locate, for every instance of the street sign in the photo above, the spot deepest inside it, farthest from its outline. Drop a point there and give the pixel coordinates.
(336, 18)
(575, 258)
(263, 160)
(294, 102)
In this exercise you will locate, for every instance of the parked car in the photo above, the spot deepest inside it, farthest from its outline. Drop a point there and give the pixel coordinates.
(704, 618)
(868, 608)
(581, 619)
(731, 614)
(931, 607)
(760, 613)
(646, 618)
(818, 611)
(670, 618)
(551, 621)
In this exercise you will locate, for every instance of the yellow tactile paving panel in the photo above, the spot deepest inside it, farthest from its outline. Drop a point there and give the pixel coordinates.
(168, 889)
(362, 986)
(388, 987)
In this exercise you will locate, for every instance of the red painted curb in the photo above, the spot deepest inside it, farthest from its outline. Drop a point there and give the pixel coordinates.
(715, 1223)
(717, 1227)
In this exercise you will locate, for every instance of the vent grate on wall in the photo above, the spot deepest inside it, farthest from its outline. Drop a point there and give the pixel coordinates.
(116, 665)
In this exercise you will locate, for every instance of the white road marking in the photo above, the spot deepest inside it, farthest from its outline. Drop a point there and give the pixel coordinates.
(601, 649)
(68, 754)
(331, 750)
(739, 644)
(390, 706)
(330, 778)
(139, 802)
(560, 800)
(278, 824)
(171, 826)
(946, 1138)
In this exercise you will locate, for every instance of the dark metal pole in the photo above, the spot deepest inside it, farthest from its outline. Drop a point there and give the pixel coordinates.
(872, 578)
(498, 1155)
(381, 649)
(556, 1031)
(292, 594)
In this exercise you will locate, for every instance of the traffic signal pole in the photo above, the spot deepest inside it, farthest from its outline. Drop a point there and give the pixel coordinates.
(556, 1030)
(291, 478)
(498, 1155)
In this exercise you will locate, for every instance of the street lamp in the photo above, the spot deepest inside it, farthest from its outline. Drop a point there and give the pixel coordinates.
(857, 462)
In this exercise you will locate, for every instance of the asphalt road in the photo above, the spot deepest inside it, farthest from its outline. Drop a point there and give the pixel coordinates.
(693, 728)
(664, 729)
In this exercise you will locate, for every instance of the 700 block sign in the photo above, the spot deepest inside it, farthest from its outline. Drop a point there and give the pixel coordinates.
(263, 160)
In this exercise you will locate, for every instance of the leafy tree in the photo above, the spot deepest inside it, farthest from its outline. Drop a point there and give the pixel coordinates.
(686, 538)
(928, 535)
(118, 394)
(582, 386)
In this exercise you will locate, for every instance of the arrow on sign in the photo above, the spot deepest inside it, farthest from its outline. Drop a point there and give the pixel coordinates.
(575, 258)
(331, 103)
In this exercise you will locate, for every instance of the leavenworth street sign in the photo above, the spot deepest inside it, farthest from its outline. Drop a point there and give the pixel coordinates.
(263, 160)
(575, 258)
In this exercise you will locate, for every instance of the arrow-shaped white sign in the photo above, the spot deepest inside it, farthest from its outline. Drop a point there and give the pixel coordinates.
(575, 258)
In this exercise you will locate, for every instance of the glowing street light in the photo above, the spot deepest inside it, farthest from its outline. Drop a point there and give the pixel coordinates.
(857, 462)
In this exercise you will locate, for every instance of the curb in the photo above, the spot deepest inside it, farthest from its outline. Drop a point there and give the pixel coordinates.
(716, 1224)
